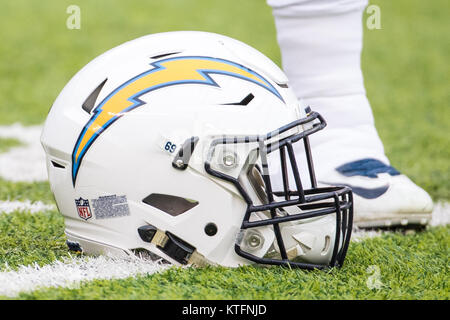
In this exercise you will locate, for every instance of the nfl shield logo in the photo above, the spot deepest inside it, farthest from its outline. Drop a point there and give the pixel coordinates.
(84, 210)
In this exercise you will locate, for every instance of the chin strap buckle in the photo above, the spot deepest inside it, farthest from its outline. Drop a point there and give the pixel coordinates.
(174, 247)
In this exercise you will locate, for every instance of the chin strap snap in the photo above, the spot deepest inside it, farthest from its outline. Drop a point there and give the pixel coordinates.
(173, 246)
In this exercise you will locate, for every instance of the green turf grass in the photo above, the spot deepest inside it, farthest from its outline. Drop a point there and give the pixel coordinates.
(406, 74)
(411, 267)
(8, 143)
(33, 191)
(27, 238)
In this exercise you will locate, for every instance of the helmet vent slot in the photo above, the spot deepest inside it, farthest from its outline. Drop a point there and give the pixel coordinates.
(243, 102)
(57, 165)
(163, 55)
(89, 103)
(326, 246)
(172, 205)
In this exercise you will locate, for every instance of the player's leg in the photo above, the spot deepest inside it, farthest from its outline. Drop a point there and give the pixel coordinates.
(321, 44)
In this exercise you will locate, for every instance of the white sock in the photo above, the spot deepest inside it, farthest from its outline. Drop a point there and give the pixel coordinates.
(321, 42)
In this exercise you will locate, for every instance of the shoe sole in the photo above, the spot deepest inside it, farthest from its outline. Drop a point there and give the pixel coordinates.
(407, 221)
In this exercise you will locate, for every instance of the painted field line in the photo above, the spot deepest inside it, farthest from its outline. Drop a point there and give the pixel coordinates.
(25, 162)
(25, 206)
(72, 272)
(441, 214)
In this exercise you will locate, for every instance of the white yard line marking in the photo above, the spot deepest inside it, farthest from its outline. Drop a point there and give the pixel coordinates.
(26, 162)
(33, 207)
(71, 272)
(441, 214)
(359, 235)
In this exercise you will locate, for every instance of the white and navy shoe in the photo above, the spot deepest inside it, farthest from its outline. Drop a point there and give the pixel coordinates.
(383, 197)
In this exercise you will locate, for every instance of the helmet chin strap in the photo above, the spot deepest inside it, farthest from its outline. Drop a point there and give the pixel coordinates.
(173, 247)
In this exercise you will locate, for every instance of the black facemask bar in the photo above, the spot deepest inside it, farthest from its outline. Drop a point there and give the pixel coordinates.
(313, 202)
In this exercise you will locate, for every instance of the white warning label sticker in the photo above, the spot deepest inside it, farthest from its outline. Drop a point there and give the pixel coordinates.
(110, 207)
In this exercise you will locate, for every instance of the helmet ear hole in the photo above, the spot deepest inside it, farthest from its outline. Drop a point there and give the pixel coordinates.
(211, 229)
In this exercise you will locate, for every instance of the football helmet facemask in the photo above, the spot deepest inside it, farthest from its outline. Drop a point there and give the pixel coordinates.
(170, 144)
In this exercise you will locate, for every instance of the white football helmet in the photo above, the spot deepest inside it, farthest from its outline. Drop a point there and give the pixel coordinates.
(163, 144)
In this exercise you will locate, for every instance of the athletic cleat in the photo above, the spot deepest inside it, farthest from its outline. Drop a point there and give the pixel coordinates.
(383, 197)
